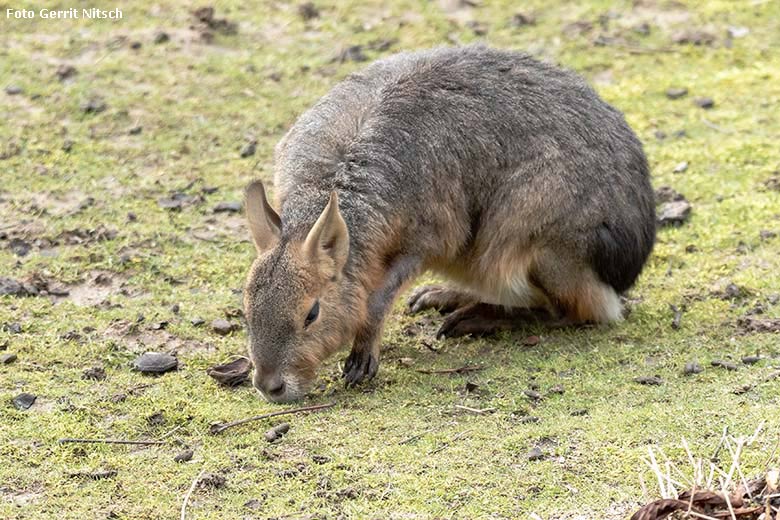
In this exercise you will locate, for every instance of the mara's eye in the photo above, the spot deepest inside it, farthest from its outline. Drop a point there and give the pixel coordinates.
(313, 313)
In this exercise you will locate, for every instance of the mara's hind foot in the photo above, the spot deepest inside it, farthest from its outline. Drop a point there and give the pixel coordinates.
(439, 297)
(484, 319)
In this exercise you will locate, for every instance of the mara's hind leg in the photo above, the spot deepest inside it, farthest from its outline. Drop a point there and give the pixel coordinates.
(442, 298)
(575, 291)
(484, 319)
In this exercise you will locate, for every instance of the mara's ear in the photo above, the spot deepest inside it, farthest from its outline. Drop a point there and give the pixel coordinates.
(264, 224)
(327, 243)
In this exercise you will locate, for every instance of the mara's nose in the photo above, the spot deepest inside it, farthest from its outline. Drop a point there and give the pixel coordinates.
(271, 385)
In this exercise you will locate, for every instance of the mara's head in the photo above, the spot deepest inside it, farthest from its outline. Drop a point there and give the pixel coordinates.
(296, 301)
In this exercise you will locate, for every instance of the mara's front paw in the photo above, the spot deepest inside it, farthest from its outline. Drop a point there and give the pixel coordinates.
(361, 365)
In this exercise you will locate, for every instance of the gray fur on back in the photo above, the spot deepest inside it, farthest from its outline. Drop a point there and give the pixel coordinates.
(472, 144)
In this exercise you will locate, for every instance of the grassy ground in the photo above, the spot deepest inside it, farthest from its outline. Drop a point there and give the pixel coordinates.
(80, 189)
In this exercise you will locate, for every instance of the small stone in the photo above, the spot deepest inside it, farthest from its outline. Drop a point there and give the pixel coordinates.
(728, 365)
(94, 105)
(649, 380)
(155, 363)
(13, 90)
(692, 367)
(681, 167)
(184, 456)
(277, 432)
(737, 32)
(170, 203)
(131, 217)
(352, 53)
(579, 412)
(522, 19)
(557, 389)
(751, 360)
(765, 235)
(95, 373)
(156, 419)
(175, 308)
(704, 102)
(253, 504)
(14, 327)
(535, 454)
(320, 459)
(197, 322)
(532, 394)
(222, 327)
(65, 71)
(676, 93)
(24, 401)
(248, 149)
(212, 480)
(135, 45)
(7, 359)
(135, 130)
(308, 11)
(161, 37)
(642, 29)
(674, 213)
(471, 387)
(531, 341)
(228, 207)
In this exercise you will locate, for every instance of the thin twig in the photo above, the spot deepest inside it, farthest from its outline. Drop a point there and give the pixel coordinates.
(189, 493)
(219, 428)
(459, 370)
(715, 127)
(179, 427)
(444, 445)
(109, 441)
(415, 437)
(476, 411)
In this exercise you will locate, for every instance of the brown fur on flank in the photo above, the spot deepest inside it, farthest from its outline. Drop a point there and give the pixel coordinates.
(509, 177)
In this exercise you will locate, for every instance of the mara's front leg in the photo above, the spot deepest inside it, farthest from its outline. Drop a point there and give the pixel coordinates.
(363, 361)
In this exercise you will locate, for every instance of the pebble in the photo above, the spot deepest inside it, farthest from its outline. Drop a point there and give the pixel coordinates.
(676, 93)
(13, 90)
(751, 360)
(674, 213)
(184, 456)
(94, 373)
(155, 363)
(535, 454)
(649, 380)
(7, 359)
(728, 365)
(222, 327)
(24, 401)
(693, 367)
(704, 102)
(277, 432)
(228, 207)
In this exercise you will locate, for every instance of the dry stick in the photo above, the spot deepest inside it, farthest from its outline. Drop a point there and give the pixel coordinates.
(728, 500)
(447, 443)
(179, 427)
(109, 441)
(415, 437)
(219, 428)
(461, 370)
(476, 411)
(189, 493)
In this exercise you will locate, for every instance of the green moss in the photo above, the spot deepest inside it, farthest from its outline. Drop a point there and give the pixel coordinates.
(397, 448)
